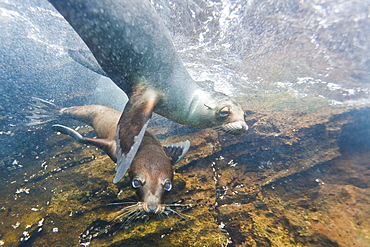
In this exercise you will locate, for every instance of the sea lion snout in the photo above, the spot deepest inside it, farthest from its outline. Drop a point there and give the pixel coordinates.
(150, 202)
(152, 208)
(236, 128)
(235, 123)
(151, 196)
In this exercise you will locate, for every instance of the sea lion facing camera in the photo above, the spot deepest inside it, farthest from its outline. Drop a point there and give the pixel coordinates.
(151, 171)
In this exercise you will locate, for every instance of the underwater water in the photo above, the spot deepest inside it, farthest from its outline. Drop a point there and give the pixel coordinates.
(300, 177)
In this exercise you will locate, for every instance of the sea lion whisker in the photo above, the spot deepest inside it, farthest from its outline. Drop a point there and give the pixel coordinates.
(128, 199)
(136, 216)
(137, 213)
(126, 212)
(179, 205)
(219, 128)
(131, 206)
(229, 130)
(183, 216)
(121, 203)
(223, 129)
(122, 216)
(130, 210)
(127, 218)
(162, 214)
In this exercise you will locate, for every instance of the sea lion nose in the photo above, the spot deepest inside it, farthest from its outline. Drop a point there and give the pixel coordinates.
(245, 127)
(152, 209)
(237, 128)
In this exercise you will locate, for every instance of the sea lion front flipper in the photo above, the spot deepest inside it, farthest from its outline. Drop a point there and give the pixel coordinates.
(105, 144)
(131, 127)
(86, 59)
(176, 151)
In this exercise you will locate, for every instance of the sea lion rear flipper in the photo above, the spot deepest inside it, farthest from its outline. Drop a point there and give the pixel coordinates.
(176, 151)
(68, 131)
(86, 59)
(42, 111)
(105, 144)
(131, 128)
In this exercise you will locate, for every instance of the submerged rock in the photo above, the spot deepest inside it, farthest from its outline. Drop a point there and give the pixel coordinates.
(281, 184)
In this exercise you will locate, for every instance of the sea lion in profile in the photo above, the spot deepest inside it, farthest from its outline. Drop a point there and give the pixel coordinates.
(151, 171)
(133, 48)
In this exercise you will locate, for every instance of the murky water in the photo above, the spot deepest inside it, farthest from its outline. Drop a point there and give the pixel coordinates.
(300, 69)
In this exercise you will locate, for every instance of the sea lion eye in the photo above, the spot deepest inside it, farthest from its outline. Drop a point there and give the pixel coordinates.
(136, 183)
(167, 186)
(224, 112)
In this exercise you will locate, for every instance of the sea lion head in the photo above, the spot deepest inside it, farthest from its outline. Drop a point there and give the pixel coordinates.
(150, 190)
(151, 174)
(218, 109)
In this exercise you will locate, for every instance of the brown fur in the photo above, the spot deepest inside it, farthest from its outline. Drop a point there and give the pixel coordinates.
(151, 165)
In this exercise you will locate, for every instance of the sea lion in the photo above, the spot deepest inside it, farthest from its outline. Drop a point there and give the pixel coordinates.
(132, 47)
(151, 171)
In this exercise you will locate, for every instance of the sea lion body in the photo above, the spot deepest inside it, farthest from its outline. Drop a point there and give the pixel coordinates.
(133, 48)
(151, 171)
(104, 121)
